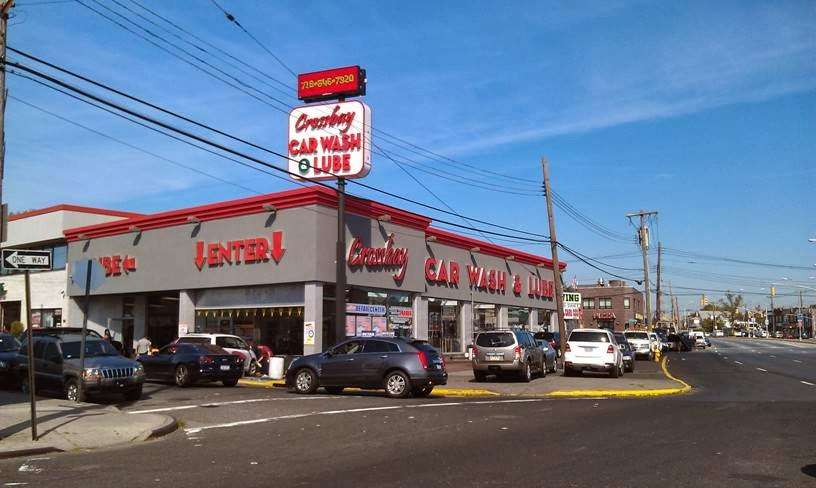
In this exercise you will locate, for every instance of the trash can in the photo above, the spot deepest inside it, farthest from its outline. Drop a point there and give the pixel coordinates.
(276, 367)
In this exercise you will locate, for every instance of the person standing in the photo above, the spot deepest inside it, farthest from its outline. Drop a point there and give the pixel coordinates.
(143, 346)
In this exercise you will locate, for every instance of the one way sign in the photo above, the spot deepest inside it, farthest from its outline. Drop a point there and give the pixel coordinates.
(22, 259)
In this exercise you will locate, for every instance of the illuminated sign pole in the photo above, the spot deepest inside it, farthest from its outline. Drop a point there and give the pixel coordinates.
(328, 141)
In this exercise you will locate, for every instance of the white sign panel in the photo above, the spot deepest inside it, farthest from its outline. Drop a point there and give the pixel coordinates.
(330, 140)
(366, 309)
(572, 306)
(308, 333)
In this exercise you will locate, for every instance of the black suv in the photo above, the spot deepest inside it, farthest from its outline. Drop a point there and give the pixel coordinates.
(56, 366)
(397, 365)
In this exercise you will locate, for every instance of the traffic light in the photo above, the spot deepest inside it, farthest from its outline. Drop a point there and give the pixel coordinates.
(773, 291)
(703, 301)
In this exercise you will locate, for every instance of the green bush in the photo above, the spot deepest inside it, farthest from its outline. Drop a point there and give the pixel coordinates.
(17, 328)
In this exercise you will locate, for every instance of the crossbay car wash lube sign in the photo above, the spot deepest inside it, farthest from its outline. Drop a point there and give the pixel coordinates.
(330, 140)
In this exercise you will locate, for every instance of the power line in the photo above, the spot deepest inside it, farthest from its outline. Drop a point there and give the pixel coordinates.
(248, 157)
(232, 19)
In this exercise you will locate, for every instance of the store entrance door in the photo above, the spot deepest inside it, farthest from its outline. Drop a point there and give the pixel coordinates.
(443, 325)
(162, 318)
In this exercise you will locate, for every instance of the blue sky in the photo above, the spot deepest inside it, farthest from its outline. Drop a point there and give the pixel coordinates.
(703, 111)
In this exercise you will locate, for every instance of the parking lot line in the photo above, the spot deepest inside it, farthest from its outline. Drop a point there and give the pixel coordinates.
(763, 370)
(233, 402)
(737, 362)
(797, 361)
(807, 383)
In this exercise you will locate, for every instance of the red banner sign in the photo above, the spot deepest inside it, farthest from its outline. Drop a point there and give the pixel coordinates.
(379, 257)
(116, 265)
(333, 83)
(251, 250)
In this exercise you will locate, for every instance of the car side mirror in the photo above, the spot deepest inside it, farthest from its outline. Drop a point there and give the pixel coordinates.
(328, 354)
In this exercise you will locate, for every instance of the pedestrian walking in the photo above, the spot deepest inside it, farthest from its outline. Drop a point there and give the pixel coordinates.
(143, 346)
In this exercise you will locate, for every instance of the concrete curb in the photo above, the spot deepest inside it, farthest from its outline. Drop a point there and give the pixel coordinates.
(29, 452)
(169, 426)
(445, 392)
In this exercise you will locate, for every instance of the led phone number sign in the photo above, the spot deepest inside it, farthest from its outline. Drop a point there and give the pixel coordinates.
(331, 83)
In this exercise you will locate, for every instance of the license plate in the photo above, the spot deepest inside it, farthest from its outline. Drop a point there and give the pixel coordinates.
(587, 349)
(495, 357)
(225, 367)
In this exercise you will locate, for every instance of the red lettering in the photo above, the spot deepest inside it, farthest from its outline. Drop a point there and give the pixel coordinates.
(501, 281)
(236, 250)
(262, 249)
(224, 253)
(473, 275)
(212, 253)
(430, 273)
(454, 272)
(116, 265)
(442, 277)
(249, 251)
(347, 162)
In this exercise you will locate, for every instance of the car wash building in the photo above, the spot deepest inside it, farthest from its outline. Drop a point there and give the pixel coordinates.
(264, 268)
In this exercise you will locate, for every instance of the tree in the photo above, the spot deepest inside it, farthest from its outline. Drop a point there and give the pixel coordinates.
(731, 304)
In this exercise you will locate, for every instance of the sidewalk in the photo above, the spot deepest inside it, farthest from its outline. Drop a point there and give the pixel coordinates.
(67, 426)
(649, 379)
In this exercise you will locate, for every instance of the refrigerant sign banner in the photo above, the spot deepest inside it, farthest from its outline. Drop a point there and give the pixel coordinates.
(330, 140)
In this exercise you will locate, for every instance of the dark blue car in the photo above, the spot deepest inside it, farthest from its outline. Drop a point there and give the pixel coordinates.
(186, 364)
(399, 366)
(8, 353)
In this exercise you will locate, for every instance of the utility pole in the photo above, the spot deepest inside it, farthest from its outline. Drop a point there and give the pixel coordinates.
(658, 301)
(340, 280)
(801, 317)
(671, 298)
(559, 296)
(643, 237)
(773, 314)
(4, 16)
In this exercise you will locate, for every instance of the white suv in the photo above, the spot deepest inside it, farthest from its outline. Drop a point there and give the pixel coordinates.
(640, 342)
(594, 350)
(232, 344)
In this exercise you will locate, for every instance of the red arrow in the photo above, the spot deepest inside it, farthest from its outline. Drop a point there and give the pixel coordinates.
(199, 259)
(277, 246)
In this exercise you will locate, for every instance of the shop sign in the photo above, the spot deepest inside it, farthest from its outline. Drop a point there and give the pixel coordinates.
(308, 333)
(117, 264)
(247, 251)
(400, 315)
(492, 280)
(539, 288)
(330, 140)
(572, 306)
(441, 272)
(365, 309)
(348, 81)
(603, 315)
(376, 258)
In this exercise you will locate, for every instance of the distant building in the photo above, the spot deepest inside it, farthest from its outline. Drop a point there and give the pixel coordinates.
(785, 320)
(611, 305)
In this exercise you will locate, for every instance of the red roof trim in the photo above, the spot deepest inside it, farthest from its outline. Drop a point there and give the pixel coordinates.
(72, 208)
(456, 240)
(314, 195)
(299, 197)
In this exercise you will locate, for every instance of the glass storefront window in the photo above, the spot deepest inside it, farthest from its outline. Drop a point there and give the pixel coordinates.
(444, 331)
(393, 315)
(46, 317)
(518, 317)
(485, 317)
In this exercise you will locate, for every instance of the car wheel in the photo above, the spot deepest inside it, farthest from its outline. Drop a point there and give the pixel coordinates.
(134, 394)
(182, 375)
(526, 373)
(544, 369)
(230, 382)
(334, 390)
(554, 368)
(479, 376)
(424, 391)
(73, 392)
(397, 385)
(253, 368)
(305, 381)
(614, 372)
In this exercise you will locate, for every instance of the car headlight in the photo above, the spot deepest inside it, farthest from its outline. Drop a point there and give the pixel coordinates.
(139, 370)
(3, 365)
(92, 374)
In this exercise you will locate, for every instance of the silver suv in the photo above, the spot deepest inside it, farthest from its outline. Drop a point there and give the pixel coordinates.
(503, 351)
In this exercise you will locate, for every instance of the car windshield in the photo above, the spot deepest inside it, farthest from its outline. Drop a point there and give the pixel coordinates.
(8, 343)
(588, 336)
(495, 339)
(637, 335)
(93, 348)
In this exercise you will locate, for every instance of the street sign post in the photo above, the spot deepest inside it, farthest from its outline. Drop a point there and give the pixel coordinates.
(25, 260)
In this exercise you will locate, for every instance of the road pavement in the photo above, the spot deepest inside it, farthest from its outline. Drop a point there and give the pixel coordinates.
(748, 422)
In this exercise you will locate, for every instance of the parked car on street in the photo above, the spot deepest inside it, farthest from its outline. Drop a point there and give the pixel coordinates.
(686, 341)
(593, 350)
(51, 331)
(641, 342)
(8, 352)
(400, 366)
(627, 352)
(186, 364)
(507, 352)
(550, 361)
(554, 338)
(673, 342)
(57, 368)
(230, 343)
